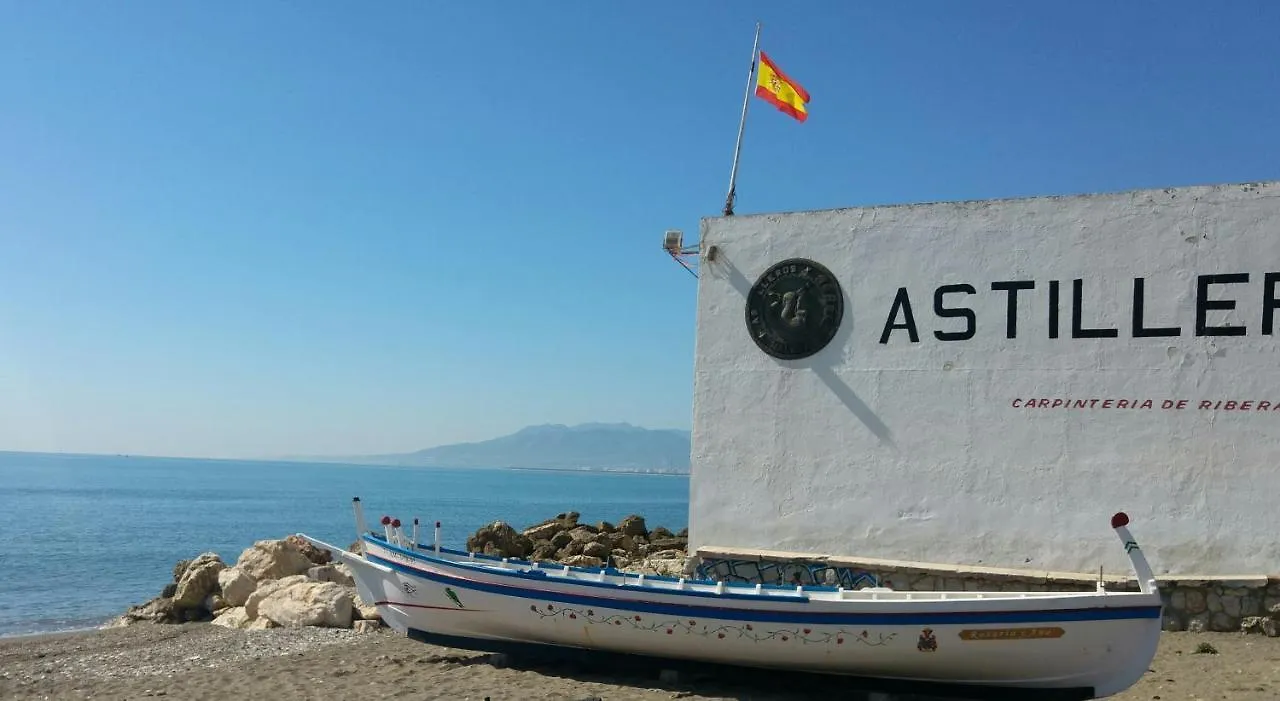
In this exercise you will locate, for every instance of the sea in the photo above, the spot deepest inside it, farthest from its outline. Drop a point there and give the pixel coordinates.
(83, 537)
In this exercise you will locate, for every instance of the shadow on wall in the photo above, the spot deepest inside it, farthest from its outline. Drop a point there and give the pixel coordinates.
(820, 363)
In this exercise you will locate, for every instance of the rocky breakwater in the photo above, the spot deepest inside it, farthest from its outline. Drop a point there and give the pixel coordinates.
(629, 546)
(274, 583)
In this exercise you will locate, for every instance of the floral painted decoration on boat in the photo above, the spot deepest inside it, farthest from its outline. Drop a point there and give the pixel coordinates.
(690, 626)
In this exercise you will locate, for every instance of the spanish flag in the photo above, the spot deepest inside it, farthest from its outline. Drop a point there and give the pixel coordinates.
(774, 87)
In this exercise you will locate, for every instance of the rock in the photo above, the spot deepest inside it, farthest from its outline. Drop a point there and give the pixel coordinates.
(1231, 605)
(544, 550)
(660, 532)
(1223, 623)
(573, 549)
(583, 535)
(234, 617)
(311, 552)
(338, 574)
(1252, 624)
(1172, 621)
(543, 531)
(500, 539)
(684, 533)
(266, 589)
(561, 539)
(261, 624)
(236, 585)
(657, 544)
(308, 603)
(606, 527)
(366, 612)
(625, 543)
(215, 604)
(272, 559)
(583, 561)
(198, 581)
(365, 626)
(179, 569)
(1195, 601)
(1271, 628)
(1198, 623)
(596, 550)
(158, 610)
(169, 590)
(633, 526)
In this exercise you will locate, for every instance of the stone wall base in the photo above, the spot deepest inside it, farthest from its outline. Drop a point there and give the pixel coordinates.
(1249, 603)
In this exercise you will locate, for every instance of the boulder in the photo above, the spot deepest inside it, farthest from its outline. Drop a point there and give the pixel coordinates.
(366, 612)
(633, 526)
(660, 532)
(311, 552)
(234, 617)
(550, 527)
(672, 543)
(500, 539)
(308, 603)
(365, 626)
(236, 585)
(561, 539)
(338, 574)
(543, 550)
(266, 589)
(596, 550)
(215, 604)
(583, 561)
(272, 559)
(198, 581)
(158, 610)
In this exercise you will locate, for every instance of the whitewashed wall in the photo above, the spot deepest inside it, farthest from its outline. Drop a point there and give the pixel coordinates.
(928, 450)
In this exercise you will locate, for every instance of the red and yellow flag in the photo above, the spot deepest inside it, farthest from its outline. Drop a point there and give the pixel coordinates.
(774, 87)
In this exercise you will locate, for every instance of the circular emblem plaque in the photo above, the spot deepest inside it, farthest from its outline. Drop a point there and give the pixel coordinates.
(794, 309)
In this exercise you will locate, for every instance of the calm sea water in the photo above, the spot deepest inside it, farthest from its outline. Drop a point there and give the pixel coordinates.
(84, 537)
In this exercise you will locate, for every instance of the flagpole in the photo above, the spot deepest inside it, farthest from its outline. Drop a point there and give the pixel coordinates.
(742, 123)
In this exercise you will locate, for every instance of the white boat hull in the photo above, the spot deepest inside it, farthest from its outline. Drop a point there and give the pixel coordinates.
(1101, 642)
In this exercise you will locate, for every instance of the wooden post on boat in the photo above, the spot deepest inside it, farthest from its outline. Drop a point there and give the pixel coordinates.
(437, 538)
(414, 545)
(386, 527)
(359, 509)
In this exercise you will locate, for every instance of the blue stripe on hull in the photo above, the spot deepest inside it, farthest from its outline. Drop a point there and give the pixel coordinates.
(801, 617)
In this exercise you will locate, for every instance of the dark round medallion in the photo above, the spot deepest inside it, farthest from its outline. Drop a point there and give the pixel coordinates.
(794, 309)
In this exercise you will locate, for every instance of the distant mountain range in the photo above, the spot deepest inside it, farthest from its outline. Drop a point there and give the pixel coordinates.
(591, 446)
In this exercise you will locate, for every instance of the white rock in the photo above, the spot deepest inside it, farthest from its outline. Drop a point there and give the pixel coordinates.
(198, 581)
(236, 586)
(234, 617)
(266, 589)
(338, 574)
(308, 603)
(272, 559)
(364, 626)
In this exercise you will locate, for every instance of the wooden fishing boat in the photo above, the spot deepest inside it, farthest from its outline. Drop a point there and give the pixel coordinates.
(1095, 643)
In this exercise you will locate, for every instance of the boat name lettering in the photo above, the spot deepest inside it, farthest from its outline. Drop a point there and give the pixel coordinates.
(1012, 633)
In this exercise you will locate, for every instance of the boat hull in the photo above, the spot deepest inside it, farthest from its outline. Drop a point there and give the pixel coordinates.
(1102, 643)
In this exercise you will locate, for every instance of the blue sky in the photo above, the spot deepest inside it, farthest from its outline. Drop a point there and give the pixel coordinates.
(260, 228)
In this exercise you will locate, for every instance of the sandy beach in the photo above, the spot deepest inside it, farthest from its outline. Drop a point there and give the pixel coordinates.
(201, 661)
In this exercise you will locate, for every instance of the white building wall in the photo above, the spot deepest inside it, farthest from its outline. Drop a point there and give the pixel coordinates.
(926, 450)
